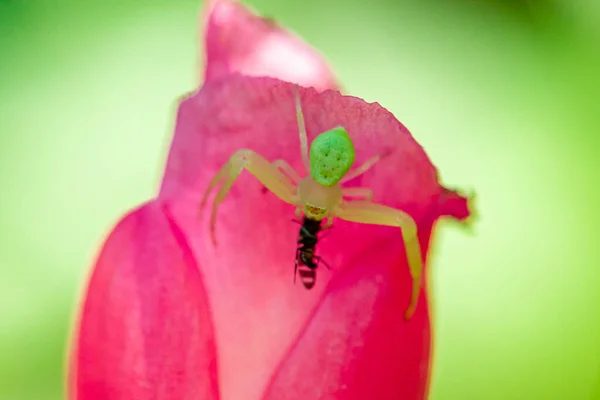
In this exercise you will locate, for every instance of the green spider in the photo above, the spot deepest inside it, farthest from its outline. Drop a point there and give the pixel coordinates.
(320, 195)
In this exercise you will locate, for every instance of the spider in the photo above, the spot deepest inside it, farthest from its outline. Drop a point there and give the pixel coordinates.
(319, 195)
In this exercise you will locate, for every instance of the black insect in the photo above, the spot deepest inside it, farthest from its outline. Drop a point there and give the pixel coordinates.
(306, 260)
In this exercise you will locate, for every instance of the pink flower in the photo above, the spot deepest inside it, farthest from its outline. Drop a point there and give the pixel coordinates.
(169, 316)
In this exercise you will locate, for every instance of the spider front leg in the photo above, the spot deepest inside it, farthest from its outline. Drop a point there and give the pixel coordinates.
(366, 212)
(268, 174)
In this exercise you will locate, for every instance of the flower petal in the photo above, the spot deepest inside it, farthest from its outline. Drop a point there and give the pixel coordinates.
(145, 330)
(258, 312)
(357, 345)
(239, 41)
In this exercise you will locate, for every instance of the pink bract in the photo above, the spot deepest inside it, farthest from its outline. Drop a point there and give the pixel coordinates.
(169, 316)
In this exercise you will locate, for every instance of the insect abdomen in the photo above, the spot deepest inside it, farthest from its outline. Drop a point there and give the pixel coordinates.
(305, 253)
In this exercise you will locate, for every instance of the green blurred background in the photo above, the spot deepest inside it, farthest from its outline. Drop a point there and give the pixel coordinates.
(503, 95)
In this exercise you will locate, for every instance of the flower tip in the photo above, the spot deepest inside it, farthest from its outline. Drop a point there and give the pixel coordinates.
(221, 11)
(239, 40)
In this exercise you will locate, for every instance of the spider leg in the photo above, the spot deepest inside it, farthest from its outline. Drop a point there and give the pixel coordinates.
(364, 167)
(301, 130)
(270, 176)
(362, 193)
(327, 223)
(366, 212)
(288, 170)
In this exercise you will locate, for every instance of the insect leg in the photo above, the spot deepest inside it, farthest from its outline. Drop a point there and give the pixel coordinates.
(325, 234)
(263, 170)
(320, 260)
(296, 265)
(366, 212)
